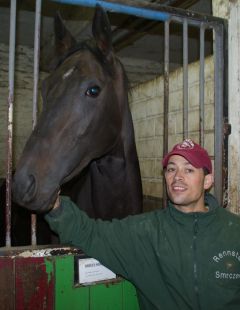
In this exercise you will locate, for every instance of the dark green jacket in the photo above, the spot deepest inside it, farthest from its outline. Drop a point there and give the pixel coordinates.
(177, 261)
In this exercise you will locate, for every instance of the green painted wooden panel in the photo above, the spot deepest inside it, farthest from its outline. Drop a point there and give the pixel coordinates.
(115, 295)
(66, 295)
(130, 301)
(106, 296)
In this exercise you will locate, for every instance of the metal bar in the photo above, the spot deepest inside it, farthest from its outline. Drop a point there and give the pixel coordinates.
(148, 10)
(185, 78)
(121, 8)
(166, 86)
(12, 40)
(195, 23)
(36, 60)
(166, 99)
(201, 84)
(35, 95)
(227, 126)
(218, 118)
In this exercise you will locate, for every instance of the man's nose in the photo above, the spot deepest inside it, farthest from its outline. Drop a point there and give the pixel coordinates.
(178, 175)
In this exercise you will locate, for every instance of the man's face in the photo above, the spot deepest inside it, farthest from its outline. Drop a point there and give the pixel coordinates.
(186, 184)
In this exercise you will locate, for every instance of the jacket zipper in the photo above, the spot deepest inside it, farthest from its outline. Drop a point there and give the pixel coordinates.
(195, 270)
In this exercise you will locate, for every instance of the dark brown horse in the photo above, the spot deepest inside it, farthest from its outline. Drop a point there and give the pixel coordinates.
(85, 132)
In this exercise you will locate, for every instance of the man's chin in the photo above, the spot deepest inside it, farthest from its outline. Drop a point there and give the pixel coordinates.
(178, 199)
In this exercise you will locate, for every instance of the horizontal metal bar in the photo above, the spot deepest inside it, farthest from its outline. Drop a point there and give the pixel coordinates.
(148, 10)
(121, 8)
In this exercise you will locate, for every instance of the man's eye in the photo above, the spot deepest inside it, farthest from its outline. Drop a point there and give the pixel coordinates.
(93, 91)
(170, 169)
(189, 170)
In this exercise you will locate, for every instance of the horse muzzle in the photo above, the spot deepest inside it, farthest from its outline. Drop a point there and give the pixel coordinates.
(24, 193)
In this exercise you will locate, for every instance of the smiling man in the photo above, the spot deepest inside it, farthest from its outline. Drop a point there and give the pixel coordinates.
(188, 173)
(184, 257)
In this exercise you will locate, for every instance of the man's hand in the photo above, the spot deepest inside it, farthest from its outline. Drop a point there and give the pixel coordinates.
(57, 202)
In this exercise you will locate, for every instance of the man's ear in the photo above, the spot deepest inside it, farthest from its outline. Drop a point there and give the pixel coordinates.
(208, 181)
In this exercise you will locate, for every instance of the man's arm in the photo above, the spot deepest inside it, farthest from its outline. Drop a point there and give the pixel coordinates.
(115, 244)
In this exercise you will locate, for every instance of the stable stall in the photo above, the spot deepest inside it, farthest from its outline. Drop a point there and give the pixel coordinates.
(185, 101)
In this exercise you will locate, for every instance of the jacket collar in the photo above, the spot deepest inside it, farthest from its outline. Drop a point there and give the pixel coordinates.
(203, 218)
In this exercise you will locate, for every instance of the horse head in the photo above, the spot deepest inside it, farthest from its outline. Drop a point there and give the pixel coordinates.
(83, 115)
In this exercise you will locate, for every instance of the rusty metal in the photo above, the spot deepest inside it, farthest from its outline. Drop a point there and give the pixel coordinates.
(7, 283)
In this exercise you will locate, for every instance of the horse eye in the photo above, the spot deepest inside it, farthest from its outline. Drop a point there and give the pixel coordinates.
(93, 91)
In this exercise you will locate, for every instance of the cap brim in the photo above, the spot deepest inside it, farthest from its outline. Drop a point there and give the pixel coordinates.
(186, 155)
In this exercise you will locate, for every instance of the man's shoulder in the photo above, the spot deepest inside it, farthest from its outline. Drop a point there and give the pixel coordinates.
(229, 216)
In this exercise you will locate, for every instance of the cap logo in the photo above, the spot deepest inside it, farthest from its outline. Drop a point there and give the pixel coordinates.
(186, 144)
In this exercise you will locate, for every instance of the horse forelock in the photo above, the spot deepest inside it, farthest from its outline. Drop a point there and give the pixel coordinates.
(106, 65)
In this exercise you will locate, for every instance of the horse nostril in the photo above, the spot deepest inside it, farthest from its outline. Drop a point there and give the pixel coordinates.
(30, 188)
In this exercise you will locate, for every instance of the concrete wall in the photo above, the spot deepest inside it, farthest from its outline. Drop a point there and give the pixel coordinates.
(147, 109)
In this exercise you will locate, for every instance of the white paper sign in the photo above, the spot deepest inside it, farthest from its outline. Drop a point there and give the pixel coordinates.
(91, 270)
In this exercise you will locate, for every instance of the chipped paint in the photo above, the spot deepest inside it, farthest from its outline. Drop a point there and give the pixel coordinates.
(49, 269)
(49, 252)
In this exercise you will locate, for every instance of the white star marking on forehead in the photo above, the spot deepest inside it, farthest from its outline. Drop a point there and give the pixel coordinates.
(68, 73)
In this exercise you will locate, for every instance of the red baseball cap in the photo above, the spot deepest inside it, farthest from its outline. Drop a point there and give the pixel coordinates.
(193, 152)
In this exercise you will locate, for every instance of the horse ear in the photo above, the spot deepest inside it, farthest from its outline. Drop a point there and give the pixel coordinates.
(101, 31)
(63, 38)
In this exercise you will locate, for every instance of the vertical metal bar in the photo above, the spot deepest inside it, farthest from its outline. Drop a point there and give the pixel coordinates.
(201, 84)
(166, 86)
(227, 126)
(35, 94)
(166, 99)
(185, 78)
(218, 118)
(12, 40)
(36, 60)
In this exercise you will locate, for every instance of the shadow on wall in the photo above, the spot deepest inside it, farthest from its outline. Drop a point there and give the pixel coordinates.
(152, 203)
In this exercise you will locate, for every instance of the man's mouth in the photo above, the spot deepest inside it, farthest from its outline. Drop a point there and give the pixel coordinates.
(179, 187)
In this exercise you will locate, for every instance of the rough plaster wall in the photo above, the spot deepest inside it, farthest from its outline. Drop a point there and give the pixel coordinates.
(147, 109)
(234, 107)
(221, 8)
(231, 10)
(22, 119)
